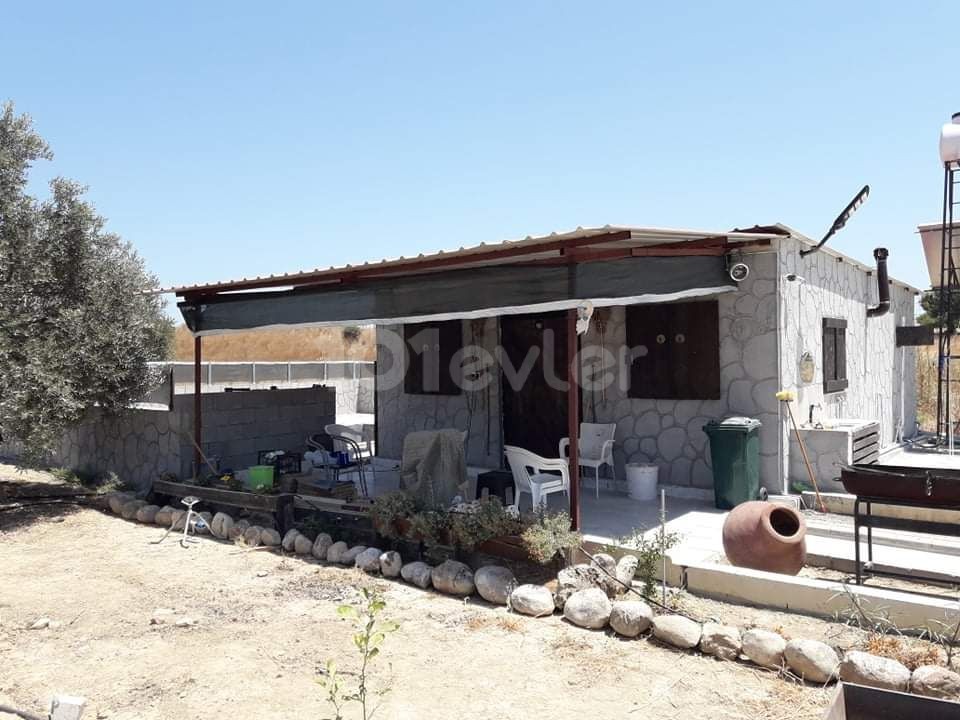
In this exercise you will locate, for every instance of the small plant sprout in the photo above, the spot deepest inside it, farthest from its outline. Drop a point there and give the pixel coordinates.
(369, 637)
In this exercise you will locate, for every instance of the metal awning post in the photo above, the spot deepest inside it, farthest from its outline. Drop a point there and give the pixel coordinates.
(197, 405)
(573, 418)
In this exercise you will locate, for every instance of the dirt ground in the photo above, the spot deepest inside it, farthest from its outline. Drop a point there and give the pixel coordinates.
(265, 625)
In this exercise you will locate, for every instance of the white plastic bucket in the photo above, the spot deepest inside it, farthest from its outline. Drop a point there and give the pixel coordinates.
(642, 481)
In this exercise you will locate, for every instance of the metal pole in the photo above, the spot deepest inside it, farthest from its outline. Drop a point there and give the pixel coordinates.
(573, 418)
(197, 409)
(663, 543)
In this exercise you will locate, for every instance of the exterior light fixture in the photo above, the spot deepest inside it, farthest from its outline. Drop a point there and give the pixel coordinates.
(848, 211)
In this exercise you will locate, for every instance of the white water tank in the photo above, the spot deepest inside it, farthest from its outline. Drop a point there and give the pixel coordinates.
(950, 141)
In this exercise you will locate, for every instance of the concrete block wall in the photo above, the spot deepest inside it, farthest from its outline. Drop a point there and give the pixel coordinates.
(237, 425)
(140, 445)
(353, 380)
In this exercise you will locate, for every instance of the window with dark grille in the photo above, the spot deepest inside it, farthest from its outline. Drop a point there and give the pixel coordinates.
(430, 349)
(674, 350)
(834, 355)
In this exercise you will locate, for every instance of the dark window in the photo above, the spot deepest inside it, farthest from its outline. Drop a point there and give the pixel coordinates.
(430, 348)
(834, 355)
(675, 350)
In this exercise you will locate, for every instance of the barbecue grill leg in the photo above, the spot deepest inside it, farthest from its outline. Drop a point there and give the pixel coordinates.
(869, 532)
(856, 539)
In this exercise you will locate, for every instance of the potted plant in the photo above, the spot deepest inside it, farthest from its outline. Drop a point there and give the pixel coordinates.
(549, 537)
(390, 514)
(431, 527)
(482, 522)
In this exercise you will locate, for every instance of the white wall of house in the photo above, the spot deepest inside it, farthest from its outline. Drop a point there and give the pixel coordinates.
(882, 377)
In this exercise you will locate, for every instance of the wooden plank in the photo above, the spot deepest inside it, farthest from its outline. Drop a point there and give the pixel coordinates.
(234, 498)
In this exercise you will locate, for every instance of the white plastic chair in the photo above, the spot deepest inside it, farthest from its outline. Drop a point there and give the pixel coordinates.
(537, 476)
(596, 449)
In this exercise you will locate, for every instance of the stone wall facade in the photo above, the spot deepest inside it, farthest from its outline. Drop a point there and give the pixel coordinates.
(669, 433)
(764, 329)
(882, 377)
(140, 445)
(478, 412)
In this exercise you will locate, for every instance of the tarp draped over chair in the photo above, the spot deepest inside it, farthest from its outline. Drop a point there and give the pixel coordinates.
(433, 468)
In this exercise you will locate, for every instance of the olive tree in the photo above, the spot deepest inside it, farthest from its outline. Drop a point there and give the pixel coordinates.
(77, 322)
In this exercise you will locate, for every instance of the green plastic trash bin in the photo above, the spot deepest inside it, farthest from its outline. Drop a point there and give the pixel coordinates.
(735, 454)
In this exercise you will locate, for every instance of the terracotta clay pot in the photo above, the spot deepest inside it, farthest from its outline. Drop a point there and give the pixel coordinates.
(765, 536)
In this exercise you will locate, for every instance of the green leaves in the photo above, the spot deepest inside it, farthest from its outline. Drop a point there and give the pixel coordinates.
(77, 322)
(348, 612)
(368, 640)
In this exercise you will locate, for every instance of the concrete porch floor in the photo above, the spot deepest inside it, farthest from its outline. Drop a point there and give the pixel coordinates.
(611, 516)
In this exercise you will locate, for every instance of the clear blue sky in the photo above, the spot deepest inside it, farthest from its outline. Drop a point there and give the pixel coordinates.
(239, 139)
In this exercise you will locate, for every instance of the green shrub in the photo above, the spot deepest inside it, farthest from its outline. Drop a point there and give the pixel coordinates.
(389, 508)
(487, 520)
(649, 552)
(550, 536)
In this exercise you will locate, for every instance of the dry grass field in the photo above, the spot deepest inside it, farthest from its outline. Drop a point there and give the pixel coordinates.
(153, 631)
(328, 343)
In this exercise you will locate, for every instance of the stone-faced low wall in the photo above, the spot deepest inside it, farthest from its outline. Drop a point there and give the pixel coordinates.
(140, 445)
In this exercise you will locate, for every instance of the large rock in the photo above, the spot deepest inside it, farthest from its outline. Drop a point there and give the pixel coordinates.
(812, 660)
(302, 545)
(321, 545)
(763, 647)
(535, 600)
(130, 508)
(879, 672)
(607, 568)
(494, 583)
(289, 539)
(148, 513)
(722, 641)
(390, 564)
(574, 578)
(270, 537)
(336, 551)
(626, 569)
(588, 608)
(238, 530)
(417, 573)
(253, 535)
(369, 560)
(350, 556)
(677, 630)
(453, 578)
(164, 516)
(221, 525)
(118, 500)
(935, 681)
(630, 617)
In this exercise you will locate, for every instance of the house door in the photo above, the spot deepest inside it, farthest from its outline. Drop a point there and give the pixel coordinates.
(534, 373)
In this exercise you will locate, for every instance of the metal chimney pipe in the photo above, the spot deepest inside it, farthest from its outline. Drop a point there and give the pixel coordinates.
(883, 285)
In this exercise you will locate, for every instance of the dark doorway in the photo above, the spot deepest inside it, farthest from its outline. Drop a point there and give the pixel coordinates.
(534, 408)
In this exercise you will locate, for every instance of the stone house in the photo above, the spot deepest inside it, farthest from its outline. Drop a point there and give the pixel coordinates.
(684, 327)
(768, 334)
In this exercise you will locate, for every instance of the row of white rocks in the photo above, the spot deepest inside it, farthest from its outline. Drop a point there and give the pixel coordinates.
(588, 597)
